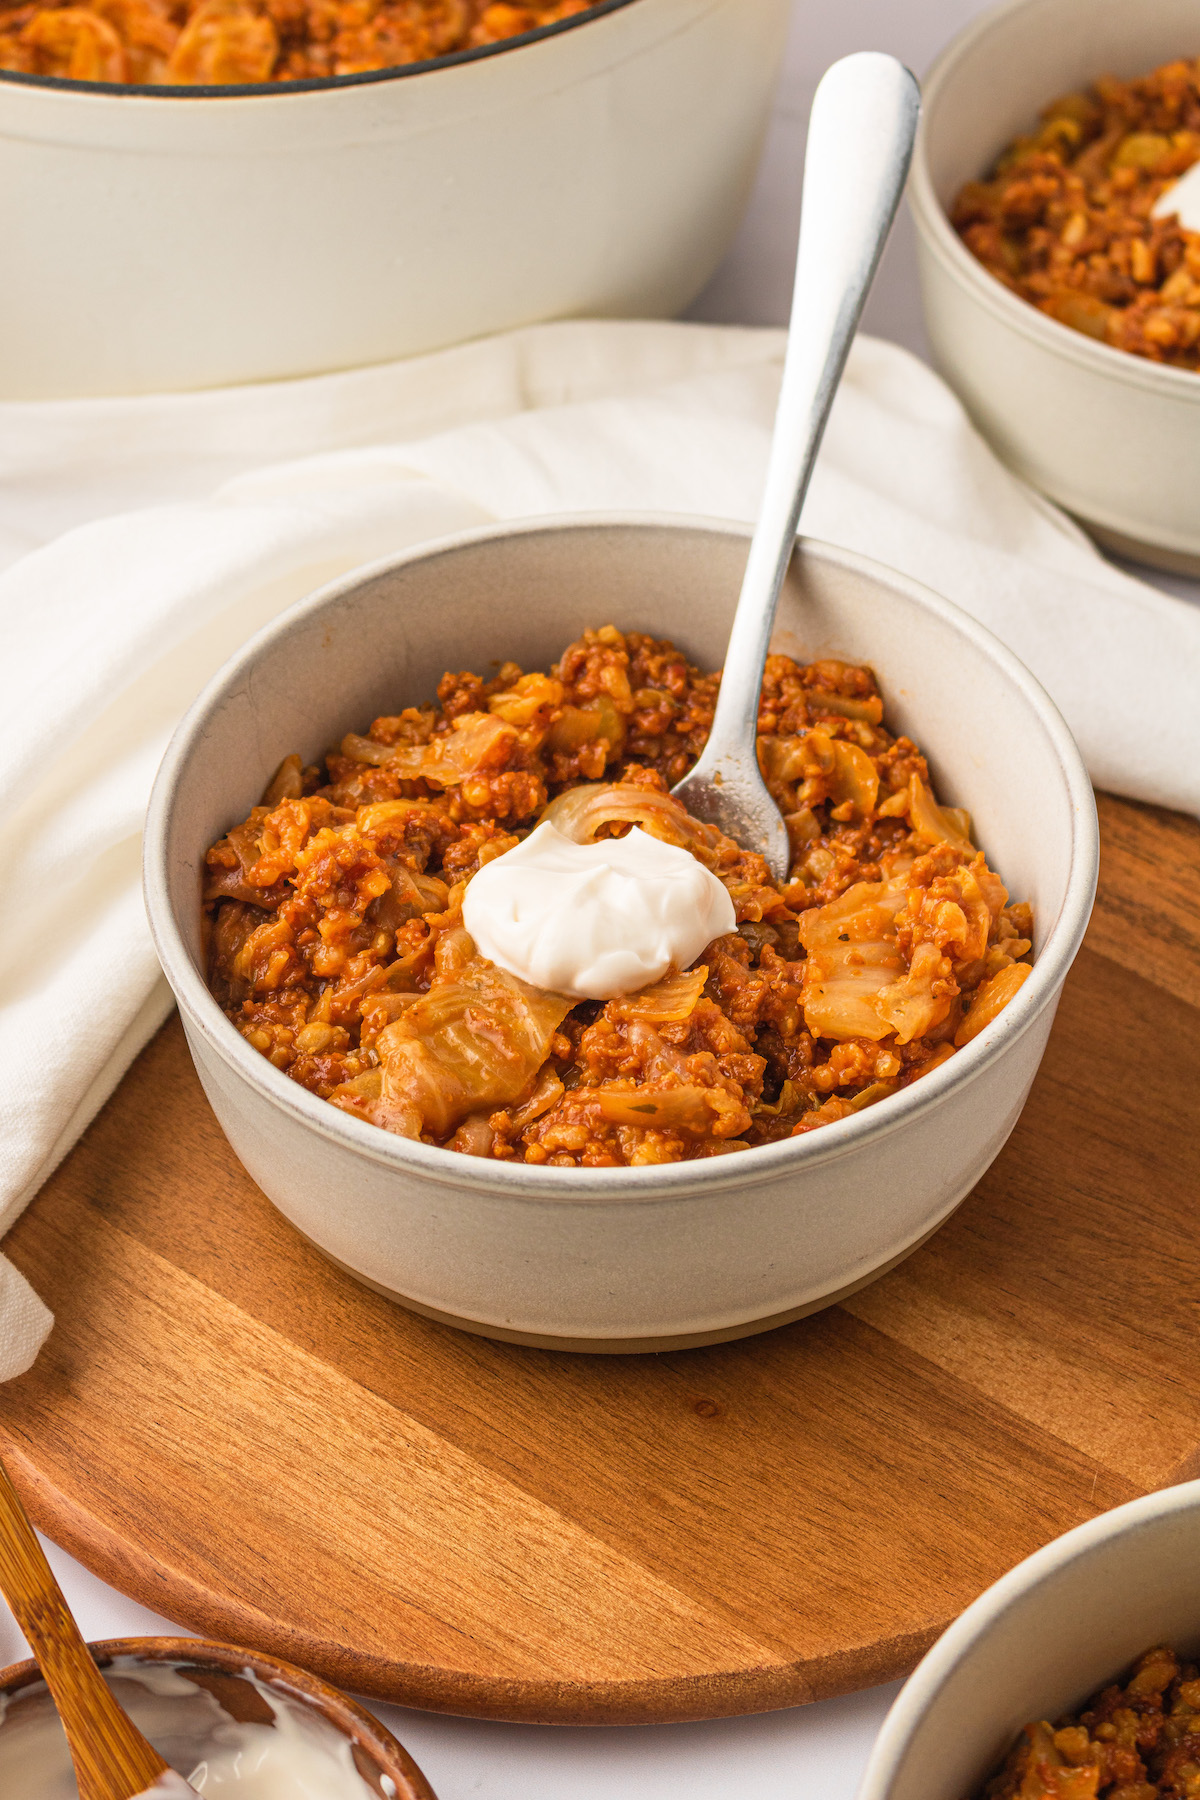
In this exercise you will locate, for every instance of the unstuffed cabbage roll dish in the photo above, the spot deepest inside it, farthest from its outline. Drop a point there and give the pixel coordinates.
(1137, 1739)
(342, 928)
(213, 43)
(1078, 218)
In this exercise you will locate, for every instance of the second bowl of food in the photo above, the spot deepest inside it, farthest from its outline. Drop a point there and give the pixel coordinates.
(1074, 1676)
(749, 1135)
(1064, 309)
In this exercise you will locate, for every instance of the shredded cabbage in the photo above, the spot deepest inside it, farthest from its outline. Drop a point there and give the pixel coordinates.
(473, 1043)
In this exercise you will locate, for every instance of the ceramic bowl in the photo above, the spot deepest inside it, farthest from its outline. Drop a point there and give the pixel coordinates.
(640, 1258)
(226, 1671)
(1110, 436)
(1060, 1625)
(184, 238)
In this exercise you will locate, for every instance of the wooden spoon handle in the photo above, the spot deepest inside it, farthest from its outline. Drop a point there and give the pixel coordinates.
(112, 1759)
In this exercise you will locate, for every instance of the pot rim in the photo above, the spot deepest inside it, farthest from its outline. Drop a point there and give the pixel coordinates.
(958, 1641)
(941, 239)
(345, 1714)
(743, 1169)
(316, 83)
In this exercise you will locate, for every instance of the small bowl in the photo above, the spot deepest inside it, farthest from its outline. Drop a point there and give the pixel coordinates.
(1110, 436)
(634, 1258)
(386, 1768)
(1061, 1624)
(181, 238)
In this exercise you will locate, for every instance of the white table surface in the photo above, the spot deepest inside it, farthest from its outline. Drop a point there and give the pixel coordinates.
(812, 1752)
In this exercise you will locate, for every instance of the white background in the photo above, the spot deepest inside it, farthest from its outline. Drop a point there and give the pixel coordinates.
(814, 1752)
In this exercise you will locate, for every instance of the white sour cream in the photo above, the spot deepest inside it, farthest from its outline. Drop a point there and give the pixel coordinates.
(300, 1757)
(1182, 197)
(594, 920)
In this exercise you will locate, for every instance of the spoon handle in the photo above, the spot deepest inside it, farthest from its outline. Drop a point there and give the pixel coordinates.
(860, 138)
(112, 1759)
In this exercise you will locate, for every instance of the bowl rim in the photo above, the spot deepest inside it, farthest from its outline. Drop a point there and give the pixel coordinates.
(941, 239)
(315, 83)
(659, 1183)
(957, 1642)
(339, 1709)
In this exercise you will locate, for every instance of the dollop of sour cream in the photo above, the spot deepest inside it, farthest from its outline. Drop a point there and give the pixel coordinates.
(1182, 197)
(594, 920)
(169, 1786)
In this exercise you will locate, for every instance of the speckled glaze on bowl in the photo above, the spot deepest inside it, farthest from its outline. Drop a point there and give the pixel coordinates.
(163, 239)
(1110, 436)
(645, 1258)
(385, 1766)
(1054, 1629)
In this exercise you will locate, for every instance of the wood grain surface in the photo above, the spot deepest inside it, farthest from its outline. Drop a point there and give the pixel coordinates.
(242, 1437)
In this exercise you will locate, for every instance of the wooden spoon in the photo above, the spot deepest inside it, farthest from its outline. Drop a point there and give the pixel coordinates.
(112, 1759)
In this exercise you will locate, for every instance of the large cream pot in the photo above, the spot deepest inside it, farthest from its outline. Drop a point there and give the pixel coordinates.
(159, 240)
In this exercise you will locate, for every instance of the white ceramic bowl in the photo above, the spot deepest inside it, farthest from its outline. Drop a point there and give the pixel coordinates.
(1110, 436)
(186, 238)
(624, 1259)
(1060, 1625)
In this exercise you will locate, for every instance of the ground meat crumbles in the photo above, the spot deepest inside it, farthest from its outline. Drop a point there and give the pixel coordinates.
(336, 943)
(1136, 1740)
(1064, 218)
(213, 42)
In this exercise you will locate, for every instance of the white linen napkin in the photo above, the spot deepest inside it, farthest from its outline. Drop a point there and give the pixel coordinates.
(142, 540)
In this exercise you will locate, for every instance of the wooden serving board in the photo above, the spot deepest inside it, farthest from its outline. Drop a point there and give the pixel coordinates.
(228, 1428)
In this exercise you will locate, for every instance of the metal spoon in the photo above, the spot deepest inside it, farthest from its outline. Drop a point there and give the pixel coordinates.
(112, 1759)
(860, 138)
